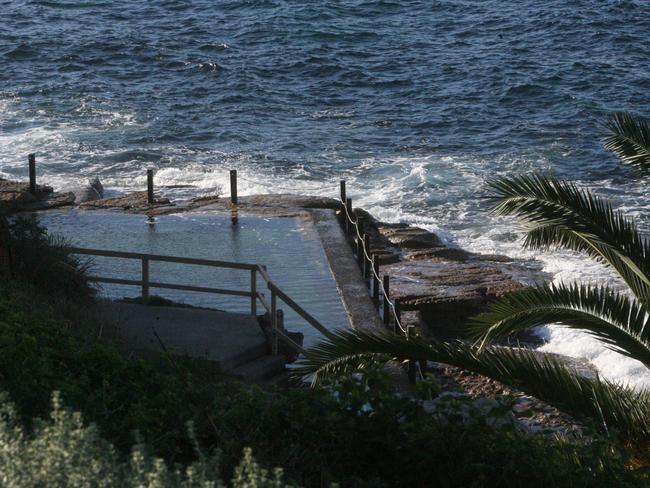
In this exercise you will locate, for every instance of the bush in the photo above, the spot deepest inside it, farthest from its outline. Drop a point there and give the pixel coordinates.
(63, 452)
(43, 260)
(356, 431)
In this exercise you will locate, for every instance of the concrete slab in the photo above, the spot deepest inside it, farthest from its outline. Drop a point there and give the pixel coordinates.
(357, 302)
(227, 339)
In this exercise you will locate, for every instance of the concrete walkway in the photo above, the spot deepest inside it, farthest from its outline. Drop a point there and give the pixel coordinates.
(357, 302)
(227, 339)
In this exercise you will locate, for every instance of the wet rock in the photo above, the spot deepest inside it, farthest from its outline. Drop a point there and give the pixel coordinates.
(94, 190)
(447, 292)
(440, 286)
(133, 202)
(16, 197)
(410, 237)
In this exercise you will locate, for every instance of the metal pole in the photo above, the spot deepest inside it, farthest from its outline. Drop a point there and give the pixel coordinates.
(359, 232)
(150, 198)
(398, 317)
(343, 196)
(410, 333)
(366, 261)
(32, 173)
(145, 280)
(253, 292)
(348, 213)
(274, 324)
(375, 280)
(387, 300)
(233, 186)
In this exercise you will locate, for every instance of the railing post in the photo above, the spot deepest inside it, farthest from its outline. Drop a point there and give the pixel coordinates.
(386, 300)
(145, 280)
(410, 333)
(253, 292)
(233, 186)
(359, 240)
(348, 216)
(32, 173)
(366, 259)
(375, 280)
(150, 187)
(343, 195)
(398, 317)
(274, 324)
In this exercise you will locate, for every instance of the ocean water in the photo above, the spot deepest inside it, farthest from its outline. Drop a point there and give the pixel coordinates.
(414, 103)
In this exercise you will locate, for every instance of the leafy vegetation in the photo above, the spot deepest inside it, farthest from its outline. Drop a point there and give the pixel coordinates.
(355, 431)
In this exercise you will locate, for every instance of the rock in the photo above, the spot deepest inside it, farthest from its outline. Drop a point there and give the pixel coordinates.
(94, 190)
(133, 202)
(16, 197)
(407, 237)
(438, 285)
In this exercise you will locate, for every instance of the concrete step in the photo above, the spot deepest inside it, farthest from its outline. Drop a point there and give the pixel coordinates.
(228, 340)
(261, 369)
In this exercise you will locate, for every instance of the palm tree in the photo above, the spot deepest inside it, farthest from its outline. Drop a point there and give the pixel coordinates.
(555, 215)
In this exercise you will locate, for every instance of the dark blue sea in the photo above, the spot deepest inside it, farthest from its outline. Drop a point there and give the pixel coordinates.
(414, 103)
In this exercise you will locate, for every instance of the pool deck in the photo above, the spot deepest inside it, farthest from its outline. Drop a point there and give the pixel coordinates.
(347, 275)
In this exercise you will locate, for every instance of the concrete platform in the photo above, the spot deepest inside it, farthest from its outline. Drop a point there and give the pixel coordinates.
(361, 311)
(229, 340)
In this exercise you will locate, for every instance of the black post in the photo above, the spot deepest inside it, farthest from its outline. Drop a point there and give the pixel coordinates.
(375, 280)
(366, 261)
(398, 317)
(233, 186)
(410, 333)
(343, 199)
(348, 206)
(150, 187)
(359, 232)
(32, 173)
(386, 300)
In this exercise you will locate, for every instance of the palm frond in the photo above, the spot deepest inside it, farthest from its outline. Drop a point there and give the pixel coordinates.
(614, 407)
(628, 137)
(615, 319)
(558, 214)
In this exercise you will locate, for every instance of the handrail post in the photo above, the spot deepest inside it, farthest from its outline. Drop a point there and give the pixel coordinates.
(386, 300)
(410, 333)
(253, 292)
(150, 196)
(375, 280)
(145, 280)
(233, 186)
(32, 173)
(366, 260)
(343, 195)
(274, 324)
(398, 316)
(359, 232)
(348, 215)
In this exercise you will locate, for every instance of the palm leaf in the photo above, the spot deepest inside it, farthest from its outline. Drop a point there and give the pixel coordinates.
(617, 320)
(544, 376)
(629, 138)
(557, 214)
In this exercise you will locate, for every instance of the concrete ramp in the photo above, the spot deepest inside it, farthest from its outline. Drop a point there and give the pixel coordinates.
(230, 340)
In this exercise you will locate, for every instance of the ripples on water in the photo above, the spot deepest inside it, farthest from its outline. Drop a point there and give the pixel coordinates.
(414, 103)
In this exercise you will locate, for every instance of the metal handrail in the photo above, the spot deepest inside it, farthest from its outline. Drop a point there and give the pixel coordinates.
(254, 295)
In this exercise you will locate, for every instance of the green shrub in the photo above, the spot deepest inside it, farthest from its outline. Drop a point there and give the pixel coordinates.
(356, 432)
(63, 452)
(43, 260)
